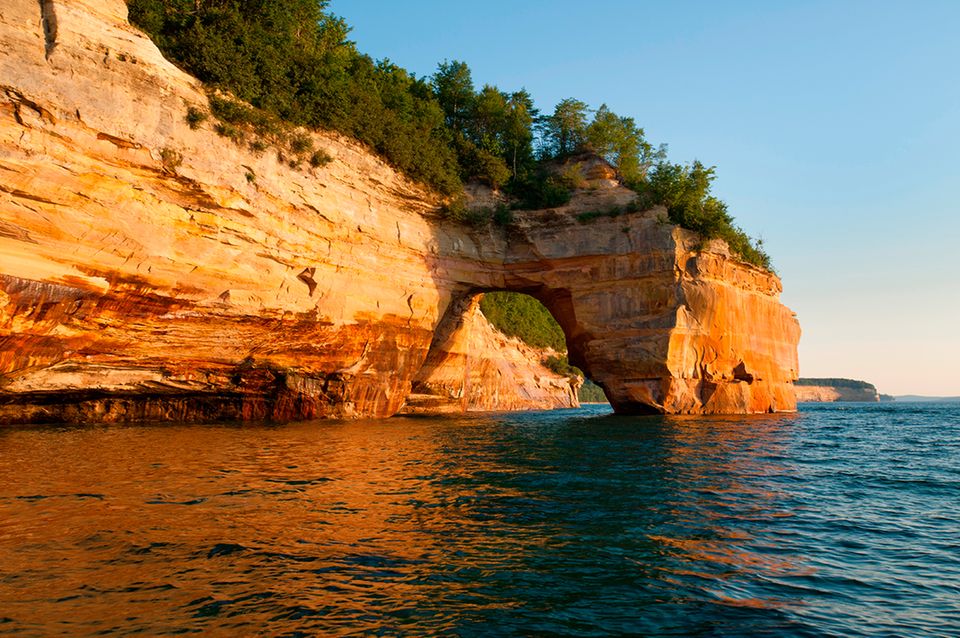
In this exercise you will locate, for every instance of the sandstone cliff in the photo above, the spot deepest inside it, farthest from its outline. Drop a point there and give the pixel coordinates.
(151, 271)
(822, 391)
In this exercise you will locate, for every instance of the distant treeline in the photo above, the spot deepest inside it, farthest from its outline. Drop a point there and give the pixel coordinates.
(291, 59)
(837, 383)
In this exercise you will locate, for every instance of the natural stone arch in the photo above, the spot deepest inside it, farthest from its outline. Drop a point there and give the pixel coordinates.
(661, 322)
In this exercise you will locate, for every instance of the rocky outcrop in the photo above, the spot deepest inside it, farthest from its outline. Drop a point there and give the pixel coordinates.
(659, 323)
(153, 271)
(473, 366)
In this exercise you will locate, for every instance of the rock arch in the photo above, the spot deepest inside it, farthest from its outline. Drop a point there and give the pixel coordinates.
(662, 323)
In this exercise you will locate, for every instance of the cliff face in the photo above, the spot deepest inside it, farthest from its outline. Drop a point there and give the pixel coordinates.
(151, 271)
(658, 324)
(830, 393)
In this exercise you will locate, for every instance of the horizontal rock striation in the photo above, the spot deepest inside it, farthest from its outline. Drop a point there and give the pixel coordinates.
(150, 271)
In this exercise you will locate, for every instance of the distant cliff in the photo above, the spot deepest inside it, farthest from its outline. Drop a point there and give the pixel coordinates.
(153, 270)
(827, 390)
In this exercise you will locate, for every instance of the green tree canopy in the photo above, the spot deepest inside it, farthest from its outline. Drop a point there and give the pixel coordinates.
(621, 142)
(522, 316)
(565, 130)
(453, 86)
(518, 133)
(292, 58)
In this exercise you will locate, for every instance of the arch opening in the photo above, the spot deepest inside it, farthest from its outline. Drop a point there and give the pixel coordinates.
(503, 350)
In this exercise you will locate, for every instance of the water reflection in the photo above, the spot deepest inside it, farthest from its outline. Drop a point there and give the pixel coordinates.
(514, 524)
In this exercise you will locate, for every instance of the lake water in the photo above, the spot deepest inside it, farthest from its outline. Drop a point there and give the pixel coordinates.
(841, 520)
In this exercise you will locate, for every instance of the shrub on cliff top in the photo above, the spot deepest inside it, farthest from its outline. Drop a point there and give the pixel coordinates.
(685, 192)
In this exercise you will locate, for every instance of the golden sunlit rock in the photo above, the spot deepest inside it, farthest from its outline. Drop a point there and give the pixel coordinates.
(154, 271)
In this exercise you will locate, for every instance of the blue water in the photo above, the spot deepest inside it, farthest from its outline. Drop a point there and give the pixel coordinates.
(842, 520)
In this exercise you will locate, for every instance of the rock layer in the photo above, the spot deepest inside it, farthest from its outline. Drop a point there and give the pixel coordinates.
(151, 271)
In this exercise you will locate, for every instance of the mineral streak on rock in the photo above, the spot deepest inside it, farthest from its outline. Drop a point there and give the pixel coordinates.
(143, 276)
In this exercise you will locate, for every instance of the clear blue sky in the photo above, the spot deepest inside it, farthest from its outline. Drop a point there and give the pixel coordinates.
(834, 126)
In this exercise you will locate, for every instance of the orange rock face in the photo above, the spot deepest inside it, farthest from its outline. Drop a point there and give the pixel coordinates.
(659, 325)
(151, 271)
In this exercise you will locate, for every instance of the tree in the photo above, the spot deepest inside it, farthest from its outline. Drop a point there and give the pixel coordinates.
(621, 142)
(453, 87)
(565, 130)
(488, 119)
(518, 131)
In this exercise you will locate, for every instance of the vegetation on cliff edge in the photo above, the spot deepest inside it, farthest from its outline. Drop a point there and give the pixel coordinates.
(291, 59)
(522, 316)
(836, 383)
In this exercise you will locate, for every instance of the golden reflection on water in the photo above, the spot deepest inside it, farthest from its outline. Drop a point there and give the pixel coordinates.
(716, 457)
(165, 528)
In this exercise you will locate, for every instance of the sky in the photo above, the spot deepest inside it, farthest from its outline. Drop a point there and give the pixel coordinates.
(834, 126)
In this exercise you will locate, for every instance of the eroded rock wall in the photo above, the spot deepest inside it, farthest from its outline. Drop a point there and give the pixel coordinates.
(661, 325)
(151, 271)
(146, 262)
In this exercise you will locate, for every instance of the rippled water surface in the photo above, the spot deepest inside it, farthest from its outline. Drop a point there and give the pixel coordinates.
(842, 520)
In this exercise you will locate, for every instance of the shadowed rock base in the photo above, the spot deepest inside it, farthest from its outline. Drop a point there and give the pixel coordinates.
(252, 395)
(93, 406)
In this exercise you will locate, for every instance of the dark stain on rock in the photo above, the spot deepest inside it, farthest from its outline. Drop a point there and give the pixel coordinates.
(307, 277)
(48, 17)
(19, 99)
(119, 142)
